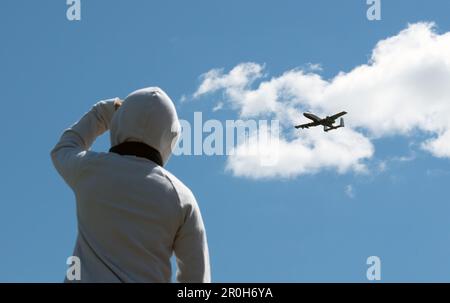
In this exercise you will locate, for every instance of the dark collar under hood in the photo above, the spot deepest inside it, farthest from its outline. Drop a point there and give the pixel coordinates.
(138, 149)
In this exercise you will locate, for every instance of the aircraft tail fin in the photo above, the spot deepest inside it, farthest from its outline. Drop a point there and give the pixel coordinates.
(341, 124)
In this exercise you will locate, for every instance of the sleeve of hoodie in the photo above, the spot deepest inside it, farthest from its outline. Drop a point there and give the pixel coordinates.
(73, 147)
(190, 247)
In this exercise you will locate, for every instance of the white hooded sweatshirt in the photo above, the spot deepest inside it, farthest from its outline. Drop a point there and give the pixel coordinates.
(132, 213)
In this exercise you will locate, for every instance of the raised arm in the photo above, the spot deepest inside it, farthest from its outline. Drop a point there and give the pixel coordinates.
(74, 144)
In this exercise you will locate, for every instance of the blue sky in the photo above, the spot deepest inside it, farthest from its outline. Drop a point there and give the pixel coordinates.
(299, 229)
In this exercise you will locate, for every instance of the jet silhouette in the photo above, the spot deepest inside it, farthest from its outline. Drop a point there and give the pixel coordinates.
(327, 122)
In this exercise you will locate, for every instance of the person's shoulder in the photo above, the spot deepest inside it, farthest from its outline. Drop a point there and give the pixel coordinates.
(185, 195)
(93, 158)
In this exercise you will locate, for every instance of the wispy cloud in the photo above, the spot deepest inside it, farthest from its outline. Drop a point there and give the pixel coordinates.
(437, 172)
(218, 107)
(349, 191)
(183, 99)
(385, 163)
(407, 158)
(314, 67)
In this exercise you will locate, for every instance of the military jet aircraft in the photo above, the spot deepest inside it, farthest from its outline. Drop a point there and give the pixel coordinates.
(327, 122)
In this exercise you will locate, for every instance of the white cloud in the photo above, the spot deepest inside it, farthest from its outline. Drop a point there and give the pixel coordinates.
(307, 154)
(404, 87)
(239, 78)
(407, 158)
(440, 146)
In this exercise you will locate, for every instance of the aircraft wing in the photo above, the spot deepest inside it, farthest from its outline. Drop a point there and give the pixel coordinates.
(307, 125)
(334, 117)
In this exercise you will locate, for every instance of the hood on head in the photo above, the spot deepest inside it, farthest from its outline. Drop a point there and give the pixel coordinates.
(148, 116)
